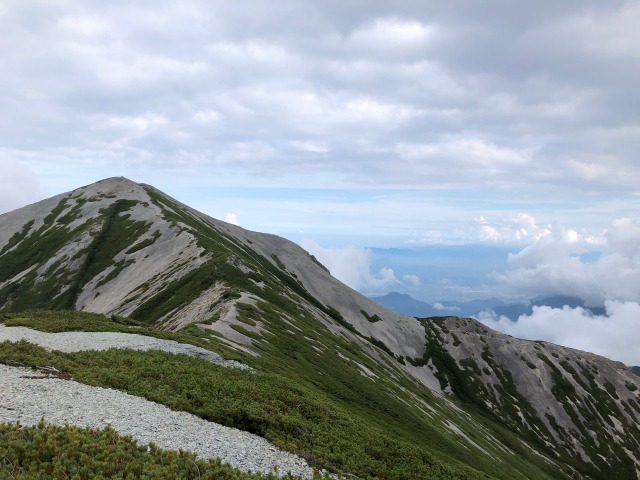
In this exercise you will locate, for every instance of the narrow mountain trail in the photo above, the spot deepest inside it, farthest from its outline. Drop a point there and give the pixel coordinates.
(27, 396)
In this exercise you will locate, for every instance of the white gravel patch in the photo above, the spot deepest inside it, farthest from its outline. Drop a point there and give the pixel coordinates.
(27, 396)
(80, 341)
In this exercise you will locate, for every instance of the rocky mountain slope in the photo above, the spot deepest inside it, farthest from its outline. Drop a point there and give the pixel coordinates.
(508, 408)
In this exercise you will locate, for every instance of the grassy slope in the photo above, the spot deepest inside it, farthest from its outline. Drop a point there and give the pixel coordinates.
(47, 451)
(315, 406)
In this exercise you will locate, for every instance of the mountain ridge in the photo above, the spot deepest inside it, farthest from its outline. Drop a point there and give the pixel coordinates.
(407, 305)
(128, 250)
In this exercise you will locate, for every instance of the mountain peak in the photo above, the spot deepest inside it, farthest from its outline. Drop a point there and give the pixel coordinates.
(394, 295)
(111, 185)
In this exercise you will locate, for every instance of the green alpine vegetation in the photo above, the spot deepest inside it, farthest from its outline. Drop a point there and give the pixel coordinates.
(48, 451)
(301, 414)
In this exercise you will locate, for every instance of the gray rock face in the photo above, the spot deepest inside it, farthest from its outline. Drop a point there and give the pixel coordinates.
(573, 401)
(72, 226)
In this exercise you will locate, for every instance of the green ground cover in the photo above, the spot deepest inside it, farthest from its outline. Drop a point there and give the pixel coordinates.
(312, 404)
(54, 452)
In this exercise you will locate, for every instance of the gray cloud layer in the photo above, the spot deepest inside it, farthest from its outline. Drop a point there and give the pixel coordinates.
(504, 94)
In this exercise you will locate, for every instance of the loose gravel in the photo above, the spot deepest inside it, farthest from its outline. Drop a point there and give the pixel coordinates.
(28, 396)
(80, 341)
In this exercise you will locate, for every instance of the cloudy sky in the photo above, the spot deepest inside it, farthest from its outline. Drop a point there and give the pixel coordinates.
(345, 125)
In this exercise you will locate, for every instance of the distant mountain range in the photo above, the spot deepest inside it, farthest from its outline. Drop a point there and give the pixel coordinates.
(513, 312)
(407, 305)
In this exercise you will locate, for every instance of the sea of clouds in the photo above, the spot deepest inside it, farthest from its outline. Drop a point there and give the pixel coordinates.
(558, 264)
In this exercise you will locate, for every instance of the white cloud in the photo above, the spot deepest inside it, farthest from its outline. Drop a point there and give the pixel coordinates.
(318, 112)
(231, 218)
(467, 151)
(441, 306)
(412, 279)
(207, 117)
(138, 125)
(552, 265)
(461, 160)
(352, 266)
(372, 111)
(83, 25)
(601, 270)
(515, 229)
(18, 185)
(613, 336)
(253, 54)
(606, 33)
(392, 36)
(310, 146)
(249, 153)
